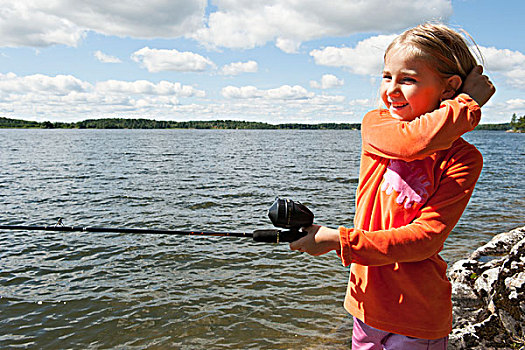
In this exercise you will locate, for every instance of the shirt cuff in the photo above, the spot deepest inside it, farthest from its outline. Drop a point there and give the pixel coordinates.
(346, 250)
(469, 101)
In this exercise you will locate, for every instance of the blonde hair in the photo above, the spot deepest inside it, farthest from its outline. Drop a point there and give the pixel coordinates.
(443, 48)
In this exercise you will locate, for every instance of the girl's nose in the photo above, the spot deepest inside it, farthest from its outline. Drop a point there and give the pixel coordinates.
(393, 89)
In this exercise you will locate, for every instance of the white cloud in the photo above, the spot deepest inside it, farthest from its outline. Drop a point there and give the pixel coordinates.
(328, 81)
(516, 104)
(501, 112)
(242, 92)
(243, 24)
(155, 60)
(39, 23)
(102, 57)
(139, 19)
(516, 77)
(67, 97)
(287, 45)
(502, 59)
(233, 24)
(285, 92)
(39, 84)
(26, 23)
(329, 99)
(237, 68)
(366, 102)
(281, 107)
(144, 87)
(366, 58)
(509, 63)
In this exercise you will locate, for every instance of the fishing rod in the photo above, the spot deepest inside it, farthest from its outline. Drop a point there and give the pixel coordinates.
(284, 213)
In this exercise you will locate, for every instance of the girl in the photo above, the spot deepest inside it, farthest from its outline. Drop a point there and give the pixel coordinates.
(416, 177)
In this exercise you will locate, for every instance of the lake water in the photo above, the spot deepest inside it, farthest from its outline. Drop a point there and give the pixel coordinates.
(100, 290)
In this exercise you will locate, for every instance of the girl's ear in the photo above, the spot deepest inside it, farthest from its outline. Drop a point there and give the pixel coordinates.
(452, 85)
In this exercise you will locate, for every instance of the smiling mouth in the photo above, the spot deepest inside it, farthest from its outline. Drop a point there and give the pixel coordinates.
(398, 105)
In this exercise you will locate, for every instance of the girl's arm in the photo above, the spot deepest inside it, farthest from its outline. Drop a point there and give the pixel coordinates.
(416, 241)
(425, 235)
(391, 138)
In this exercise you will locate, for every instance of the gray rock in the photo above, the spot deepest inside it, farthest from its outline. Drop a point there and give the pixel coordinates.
(499, 245)
(488, 294)
(484, 283)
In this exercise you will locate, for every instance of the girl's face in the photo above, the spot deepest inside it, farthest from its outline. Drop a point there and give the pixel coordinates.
(410, 87)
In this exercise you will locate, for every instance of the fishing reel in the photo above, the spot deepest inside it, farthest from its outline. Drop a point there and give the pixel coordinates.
(287, 214)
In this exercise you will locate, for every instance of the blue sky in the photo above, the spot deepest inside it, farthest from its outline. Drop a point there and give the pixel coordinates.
(278, 61)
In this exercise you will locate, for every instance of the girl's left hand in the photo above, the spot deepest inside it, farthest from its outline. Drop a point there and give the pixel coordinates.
(478, 86)
(318, 241)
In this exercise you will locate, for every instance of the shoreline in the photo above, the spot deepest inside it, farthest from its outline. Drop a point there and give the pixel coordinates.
(132, 123)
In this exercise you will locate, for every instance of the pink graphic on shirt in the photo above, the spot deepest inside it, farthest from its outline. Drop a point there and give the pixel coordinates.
(408, 180)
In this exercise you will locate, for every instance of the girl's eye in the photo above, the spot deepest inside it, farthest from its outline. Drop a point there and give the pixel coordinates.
(387, 77)
(409, 80)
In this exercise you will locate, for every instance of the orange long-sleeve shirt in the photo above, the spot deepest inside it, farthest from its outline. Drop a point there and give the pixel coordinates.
(415, 181)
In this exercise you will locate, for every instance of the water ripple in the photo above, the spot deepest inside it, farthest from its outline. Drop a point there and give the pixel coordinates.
(98, 290)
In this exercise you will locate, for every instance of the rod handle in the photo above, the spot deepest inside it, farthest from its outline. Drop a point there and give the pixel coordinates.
(276, 236)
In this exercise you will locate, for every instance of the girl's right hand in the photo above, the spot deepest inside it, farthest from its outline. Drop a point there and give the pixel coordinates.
(478, 86)
(319, 240)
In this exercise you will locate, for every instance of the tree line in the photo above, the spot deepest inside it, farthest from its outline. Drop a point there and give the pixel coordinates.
(124, 123)
(517, 124)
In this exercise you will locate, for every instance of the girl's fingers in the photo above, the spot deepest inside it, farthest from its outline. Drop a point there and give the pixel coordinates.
(296, 245)
(479, 69)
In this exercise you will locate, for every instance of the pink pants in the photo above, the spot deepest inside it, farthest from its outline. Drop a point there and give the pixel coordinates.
(365, 337)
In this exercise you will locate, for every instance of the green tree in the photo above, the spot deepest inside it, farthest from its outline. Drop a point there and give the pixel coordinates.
(518, 123)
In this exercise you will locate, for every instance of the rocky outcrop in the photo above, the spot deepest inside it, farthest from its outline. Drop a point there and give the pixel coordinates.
(488, 293)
